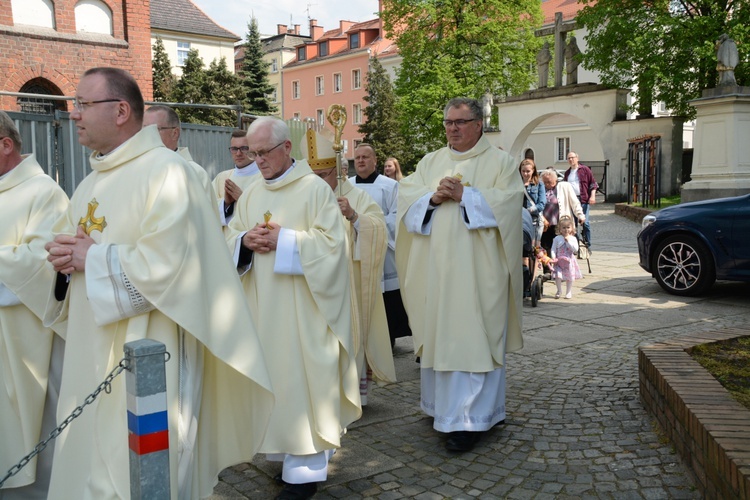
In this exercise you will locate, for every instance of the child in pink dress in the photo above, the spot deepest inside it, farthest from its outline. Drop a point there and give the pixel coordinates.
(563, 252)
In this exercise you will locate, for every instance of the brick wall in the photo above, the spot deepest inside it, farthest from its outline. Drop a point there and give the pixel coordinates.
(61, 55)
(708, 428)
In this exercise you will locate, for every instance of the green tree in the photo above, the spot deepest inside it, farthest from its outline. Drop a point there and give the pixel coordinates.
(381, 127)
(190, 89)
(453, 48)
(665, 47)
(161, 68)
(221, 86)
(254, 73)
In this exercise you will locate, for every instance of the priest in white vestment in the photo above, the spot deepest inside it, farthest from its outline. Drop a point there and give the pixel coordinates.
(146, 259)
(289, 242)
(228, 185)
(30, 353)
(384, 191)
(168, 124)
(367, 237)
(458, 252)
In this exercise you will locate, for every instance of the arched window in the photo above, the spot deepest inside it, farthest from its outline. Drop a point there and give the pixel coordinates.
(40, 105)
(33, 12)
(93, 16)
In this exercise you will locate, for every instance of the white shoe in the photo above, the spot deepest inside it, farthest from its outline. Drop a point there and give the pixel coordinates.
(569, 296)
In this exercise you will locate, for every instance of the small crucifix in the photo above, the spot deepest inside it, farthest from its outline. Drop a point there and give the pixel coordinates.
(560, 30)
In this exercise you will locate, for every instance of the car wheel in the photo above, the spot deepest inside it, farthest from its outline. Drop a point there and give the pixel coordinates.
(683, 265)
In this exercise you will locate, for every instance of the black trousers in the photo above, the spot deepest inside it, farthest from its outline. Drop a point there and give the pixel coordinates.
(398, 321)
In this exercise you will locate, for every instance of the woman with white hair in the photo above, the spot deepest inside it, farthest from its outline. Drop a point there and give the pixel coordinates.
(561, 200)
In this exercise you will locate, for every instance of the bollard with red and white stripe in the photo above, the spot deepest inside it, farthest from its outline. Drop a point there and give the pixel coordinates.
(148, 424)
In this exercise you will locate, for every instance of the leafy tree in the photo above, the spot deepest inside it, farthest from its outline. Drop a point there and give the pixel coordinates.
(221, 86)
(453, 48)
(161, 68)
(381, 127)
(665, 47)
(254, 73)
(190, 89)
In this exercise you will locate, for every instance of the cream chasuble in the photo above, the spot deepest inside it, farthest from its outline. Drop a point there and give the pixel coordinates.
(367, 248)
(31, 202)
(304, 321)
(152, 207)
(243, 177)
(202, 175)
(463, 288)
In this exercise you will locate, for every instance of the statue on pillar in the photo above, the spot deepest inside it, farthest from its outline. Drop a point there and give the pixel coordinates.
(543, 59)
(726, 60)
(571, 61)
(487, 102)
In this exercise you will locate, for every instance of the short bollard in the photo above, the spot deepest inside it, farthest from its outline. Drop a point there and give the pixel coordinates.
(148, 428)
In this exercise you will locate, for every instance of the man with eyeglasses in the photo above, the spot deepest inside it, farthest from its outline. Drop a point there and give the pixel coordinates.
(31, 355)
(139, 256)
(367, 237)
(229, 184)
(384, 191)
(458, 252)
(168, 124)
(289, 243)
(581, 179)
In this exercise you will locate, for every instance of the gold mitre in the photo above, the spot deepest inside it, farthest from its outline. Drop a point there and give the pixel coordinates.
(318, 150)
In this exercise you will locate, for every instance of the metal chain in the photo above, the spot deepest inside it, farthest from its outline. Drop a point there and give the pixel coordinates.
(105, 386)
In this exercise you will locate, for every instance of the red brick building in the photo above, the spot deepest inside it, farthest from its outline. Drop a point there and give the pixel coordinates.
(47, 45)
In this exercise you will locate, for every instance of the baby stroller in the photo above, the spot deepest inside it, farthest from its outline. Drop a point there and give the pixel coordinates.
(533, 275)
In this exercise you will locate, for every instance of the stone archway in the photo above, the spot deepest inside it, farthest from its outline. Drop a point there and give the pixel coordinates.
(40, 105)
(604, 110)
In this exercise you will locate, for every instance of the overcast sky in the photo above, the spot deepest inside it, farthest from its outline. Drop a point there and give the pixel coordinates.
(235, 14)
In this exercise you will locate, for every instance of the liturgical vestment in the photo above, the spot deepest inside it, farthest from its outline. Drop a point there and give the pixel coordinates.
(304, 320)
(146, 207)
(462, 276)
(31, 201)
(367, 246)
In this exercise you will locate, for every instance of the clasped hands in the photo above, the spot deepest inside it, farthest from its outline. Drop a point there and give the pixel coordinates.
(262, 238)
(449, 188)
(67, 254)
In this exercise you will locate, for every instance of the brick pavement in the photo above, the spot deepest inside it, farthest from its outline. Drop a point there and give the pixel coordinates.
(575, 426)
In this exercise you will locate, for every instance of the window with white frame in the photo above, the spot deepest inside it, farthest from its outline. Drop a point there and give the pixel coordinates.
(319, 90)
(356, 79)
(296, 116)
(274, 65)
(321, 117)
(93, 16)
(337, 86)
(33, 12)
(356, 143)
(356, 114)
(274, 95)
(182, 52)
(295, 89)
(562, 148)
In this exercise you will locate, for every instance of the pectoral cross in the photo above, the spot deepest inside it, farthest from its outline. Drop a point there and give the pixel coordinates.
(267, 217)
(91, 223)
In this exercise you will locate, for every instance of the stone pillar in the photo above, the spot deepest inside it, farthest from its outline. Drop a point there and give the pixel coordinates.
(721, 159)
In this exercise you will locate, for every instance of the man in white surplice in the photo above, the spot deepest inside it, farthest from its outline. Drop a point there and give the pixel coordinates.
(30, 355)
(146, 259)
(229, 184)
(458, 254)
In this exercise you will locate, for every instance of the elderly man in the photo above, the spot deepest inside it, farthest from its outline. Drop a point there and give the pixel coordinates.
(581, 179)
(30, 354)
(168, 124)
(229, 184)
(384, 191)
(367, 238)
(146, 259)
(458, 252)
(289, 243)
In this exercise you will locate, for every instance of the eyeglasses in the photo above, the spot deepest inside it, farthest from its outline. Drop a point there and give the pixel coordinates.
(81, 105)
(457, 123)
(234, 149)
(264, 152)
(572, 157)
(325, 173)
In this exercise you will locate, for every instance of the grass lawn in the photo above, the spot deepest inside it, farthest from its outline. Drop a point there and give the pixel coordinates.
(729, 363)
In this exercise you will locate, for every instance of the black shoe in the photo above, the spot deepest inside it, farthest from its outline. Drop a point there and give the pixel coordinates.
(462, 441)
(300, 491)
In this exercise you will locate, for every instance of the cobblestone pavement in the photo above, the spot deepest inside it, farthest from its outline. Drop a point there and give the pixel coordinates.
(575, 426)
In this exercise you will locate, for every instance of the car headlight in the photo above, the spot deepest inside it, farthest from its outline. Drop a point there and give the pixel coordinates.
(647, 221)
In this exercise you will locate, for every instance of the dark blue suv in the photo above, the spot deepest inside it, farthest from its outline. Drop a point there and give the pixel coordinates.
(687, 247)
